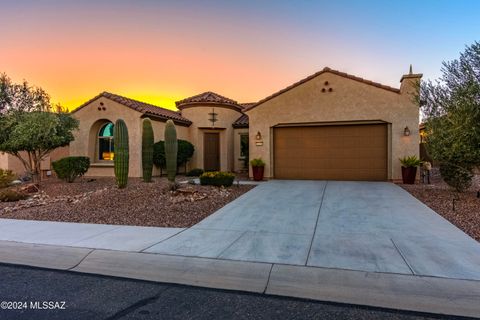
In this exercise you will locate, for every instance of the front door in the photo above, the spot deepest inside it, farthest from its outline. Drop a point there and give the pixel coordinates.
(211, 151)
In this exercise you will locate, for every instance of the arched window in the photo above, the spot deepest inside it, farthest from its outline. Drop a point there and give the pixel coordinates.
(105, 142)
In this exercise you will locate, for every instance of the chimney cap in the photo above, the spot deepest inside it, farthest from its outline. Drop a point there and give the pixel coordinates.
(411, 75)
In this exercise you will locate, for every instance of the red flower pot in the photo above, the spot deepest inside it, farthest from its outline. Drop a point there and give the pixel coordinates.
(257, 173)
(409, 174)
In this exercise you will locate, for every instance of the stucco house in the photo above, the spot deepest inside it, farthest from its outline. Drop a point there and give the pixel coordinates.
(330, 125)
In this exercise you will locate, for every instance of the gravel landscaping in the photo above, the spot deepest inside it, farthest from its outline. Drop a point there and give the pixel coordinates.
(438, 196)
(142, 204)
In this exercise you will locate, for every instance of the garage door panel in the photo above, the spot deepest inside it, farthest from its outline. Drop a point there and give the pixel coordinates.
(350, 152)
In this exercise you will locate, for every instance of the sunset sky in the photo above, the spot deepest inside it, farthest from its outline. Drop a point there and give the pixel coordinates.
(163, 51)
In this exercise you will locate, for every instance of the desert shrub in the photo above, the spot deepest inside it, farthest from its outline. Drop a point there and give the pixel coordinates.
(9, 195)
(6, 177)
(195, 172)
(451, 112)
(456, 176)
(184, 153)
(70, 168)
(217, 178)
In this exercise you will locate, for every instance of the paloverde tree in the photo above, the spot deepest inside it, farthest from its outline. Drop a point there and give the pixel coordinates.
(451, 109)
(30, 126)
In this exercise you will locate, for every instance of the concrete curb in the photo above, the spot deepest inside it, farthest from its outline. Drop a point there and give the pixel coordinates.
(387, 290)
(43, 256)
(395, 291)
(210, 273)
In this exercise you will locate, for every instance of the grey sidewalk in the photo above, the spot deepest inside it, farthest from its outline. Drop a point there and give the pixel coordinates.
(95, 236)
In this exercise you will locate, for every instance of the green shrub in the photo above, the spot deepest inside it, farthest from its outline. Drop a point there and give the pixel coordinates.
(195, 172)
(184, 153)
(456, 176)
(9, 195)
(411, 161)
(217, 178)
(159, 154)
(6, 177)
(258, 162)
(70, 168)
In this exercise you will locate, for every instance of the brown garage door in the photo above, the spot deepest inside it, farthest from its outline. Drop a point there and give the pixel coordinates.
(339, 152)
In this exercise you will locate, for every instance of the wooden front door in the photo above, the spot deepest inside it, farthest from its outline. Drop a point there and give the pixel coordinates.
(211, 151)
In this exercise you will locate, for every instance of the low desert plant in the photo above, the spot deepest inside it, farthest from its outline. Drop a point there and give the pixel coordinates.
(456, 176)
(9, 195)
(217, 178)
(6, 177)
(197, 172)
(257, 162)
(70, 168)
(410, 161)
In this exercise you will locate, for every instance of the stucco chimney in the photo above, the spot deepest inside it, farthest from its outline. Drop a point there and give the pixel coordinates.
(409, 83)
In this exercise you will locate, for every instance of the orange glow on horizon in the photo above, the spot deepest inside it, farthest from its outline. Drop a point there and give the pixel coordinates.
(160, 51)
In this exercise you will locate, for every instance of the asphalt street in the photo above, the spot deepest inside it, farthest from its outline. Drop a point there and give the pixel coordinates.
(32, 293)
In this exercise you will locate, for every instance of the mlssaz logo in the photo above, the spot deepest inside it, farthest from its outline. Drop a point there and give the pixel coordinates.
(47, 305)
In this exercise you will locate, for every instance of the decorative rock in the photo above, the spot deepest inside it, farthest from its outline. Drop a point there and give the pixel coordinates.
(42, 199)
(29, 188)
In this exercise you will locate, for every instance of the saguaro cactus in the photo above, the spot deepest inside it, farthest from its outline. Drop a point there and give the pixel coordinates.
(147, 150)
(171, 149)
(120, 160)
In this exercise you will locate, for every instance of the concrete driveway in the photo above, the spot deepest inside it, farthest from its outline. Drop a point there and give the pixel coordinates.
(366, 226)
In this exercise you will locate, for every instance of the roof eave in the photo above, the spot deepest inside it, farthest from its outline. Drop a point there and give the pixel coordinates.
(164, 119)
(209, 103)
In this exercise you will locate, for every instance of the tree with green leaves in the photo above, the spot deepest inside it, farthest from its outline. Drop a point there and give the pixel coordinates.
(451, 110)
(30, 126)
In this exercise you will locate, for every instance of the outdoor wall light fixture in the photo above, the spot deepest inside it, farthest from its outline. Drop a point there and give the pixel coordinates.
(406, 131)
(258, 136)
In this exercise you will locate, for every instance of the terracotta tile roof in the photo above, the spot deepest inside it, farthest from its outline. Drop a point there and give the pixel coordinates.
(326, 69)
(145, 108)
(207, 98)
(247, 104)
(241, 122)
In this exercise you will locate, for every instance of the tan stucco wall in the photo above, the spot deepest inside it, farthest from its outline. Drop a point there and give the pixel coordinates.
(350, 101)
(238, 161)
(91, 119)
(199, 117)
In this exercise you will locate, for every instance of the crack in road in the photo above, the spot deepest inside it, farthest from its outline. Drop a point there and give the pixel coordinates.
(137, 305)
